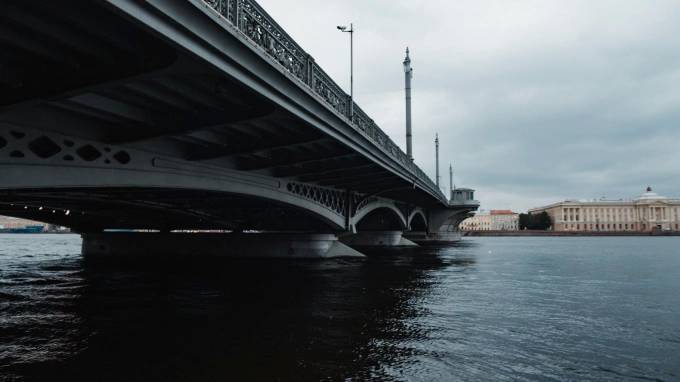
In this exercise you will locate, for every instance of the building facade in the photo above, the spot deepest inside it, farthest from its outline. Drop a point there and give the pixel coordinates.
(648, 212)
(495, 220)
(14, 223)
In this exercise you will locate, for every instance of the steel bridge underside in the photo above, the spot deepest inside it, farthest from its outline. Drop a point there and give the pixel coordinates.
(120, 114)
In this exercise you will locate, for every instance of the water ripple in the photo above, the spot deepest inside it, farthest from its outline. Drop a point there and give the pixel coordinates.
(489, 309)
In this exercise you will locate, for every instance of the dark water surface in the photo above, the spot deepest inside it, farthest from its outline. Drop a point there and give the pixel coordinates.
(487, 309)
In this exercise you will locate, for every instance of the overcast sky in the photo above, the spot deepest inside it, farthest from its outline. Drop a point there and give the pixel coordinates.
(535, 101)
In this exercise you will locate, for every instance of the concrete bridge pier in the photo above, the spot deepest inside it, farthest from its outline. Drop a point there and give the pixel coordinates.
(379, 224)
(377, 239)
(440, 237)
(442, 228)
(237, 245)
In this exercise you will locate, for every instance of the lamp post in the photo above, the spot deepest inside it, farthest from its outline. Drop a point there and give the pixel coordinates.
(350, 30)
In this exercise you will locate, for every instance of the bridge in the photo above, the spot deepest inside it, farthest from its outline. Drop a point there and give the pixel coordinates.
(174, 116)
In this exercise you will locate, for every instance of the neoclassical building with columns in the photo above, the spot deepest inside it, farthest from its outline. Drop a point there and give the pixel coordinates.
(648, 212)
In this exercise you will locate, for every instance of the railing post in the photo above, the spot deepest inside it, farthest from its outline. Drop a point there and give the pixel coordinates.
(231, 11)
(349, 109)
(309, 63)
(237, 14)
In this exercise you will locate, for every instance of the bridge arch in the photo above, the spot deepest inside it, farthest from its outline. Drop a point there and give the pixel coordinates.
(417, 220)
(447, 220)
(380, 215)
(88, 183)
(156, 200)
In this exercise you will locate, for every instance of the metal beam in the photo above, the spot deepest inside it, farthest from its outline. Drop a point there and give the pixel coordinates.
(323, 166)
(325, 153)
(363, 184)
(348, 175)
(266, 150)
(318, 173)
(82, 43)
(311, 161)
(18, 40)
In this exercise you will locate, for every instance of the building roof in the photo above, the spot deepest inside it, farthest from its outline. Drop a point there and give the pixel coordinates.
(647, 196)
(650, 195)
(502, 212)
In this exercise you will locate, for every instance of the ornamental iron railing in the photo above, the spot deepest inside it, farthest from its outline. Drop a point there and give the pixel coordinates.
(252, 21)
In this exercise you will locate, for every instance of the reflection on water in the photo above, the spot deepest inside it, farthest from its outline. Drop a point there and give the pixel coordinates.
(486, 309)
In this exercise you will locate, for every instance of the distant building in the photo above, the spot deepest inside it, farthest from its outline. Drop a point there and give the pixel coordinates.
(648, 212)
(495, 220)
(13, 223)
(10, 224)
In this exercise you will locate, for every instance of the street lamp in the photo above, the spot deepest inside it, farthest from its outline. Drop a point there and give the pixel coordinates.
(344, 29)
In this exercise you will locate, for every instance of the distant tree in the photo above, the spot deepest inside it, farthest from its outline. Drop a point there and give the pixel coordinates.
(524, 221)
(540, 221)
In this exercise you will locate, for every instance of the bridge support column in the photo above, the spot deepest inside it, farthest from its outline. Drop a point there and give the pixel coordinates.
(255, 245)
(442, 228)
(377, 239)
(441, 237)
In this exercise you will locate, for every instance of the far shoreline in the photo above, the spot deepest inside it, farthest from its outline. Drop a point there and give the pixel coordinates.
(527, 233)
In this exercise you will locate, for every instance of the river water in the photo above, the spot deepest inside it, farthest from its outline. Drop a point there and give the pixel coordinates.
(494, 309)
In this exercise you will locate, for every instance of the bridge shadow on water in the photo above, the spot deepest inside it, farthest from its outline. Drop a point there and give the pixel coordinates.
(190, 319)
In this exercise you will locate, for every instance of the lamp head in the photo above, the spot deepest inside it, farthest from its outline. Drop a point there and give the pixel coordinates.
(342, 27)
(407, 62)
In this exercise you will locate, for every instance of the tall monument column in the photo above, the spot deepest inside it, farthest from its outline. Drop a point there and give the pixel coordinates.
(450, 178)
(436, 153)
(408, 75)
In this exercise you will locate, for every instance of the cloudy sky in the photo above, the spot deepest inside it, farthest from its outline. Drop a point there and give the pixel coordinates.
(535, 101)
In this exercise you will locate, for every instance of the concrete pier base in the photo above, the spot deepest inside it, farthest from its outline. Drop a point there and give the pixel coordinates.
(238, 245)
(377, 239)
(442, 237)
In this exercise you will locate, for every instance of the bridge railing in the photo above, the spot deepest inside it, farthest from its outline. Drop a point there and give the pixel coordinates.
(252, 20)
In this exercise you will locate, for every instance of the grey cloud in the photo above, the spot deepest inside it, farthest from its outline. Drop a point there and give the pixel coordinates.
(534, 101)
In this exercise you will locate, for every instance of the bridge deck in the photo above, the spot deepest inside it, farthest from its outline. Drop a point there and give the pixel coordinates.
(212, 85)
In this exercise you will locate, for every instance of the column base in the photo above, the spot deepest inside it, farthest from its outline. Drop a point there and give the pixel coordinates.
(237, 245)
(377, 239)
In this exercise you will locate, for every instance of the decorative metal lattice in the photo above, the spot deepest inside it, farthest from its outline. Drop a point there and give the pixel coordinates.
(324, 86)
(20, 144)
(363, 203)
(251, 20)
(329, 198)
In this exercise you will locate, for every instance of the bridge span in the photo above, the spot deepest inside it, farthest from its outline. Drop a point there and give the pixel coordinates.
(186, 115)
